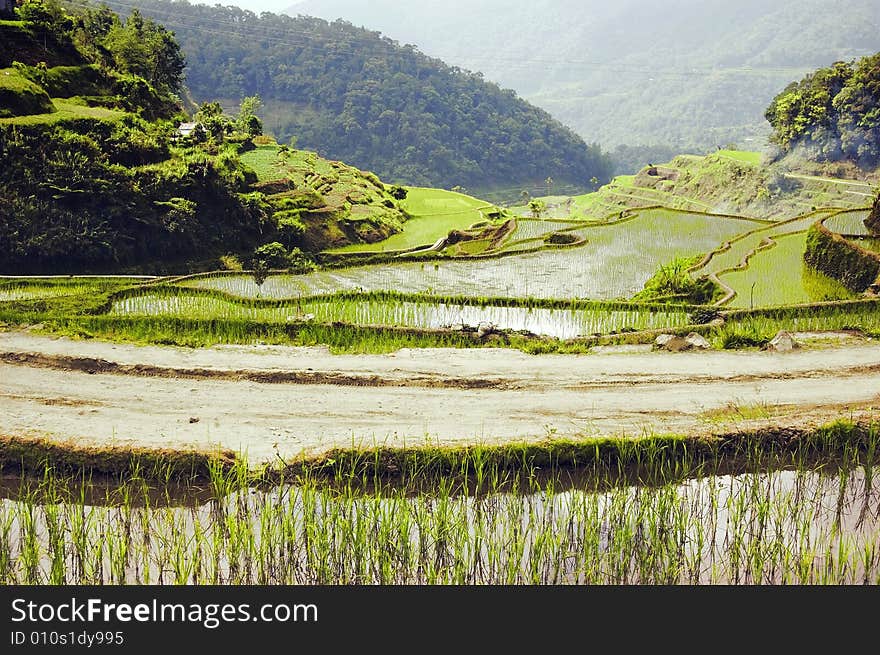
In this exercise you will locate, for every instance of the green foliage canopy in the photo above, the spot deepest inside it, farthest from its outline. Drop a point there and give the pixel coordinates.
(353, 95)
(832, 113)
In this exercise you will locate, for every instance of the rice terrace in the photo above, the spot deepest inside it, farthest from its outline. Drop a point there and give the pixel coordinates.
(227, 359)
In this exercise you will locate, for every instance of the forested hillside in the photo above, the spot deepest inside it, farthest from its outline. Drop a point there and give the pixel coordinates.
(831, 114)
(687, 74)
(97, 176)
(354, 95)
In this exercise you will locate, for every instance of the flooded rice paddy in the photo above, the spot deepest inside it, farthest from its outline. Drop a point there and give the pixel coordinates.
(771, 527)
(560, 323)
(615, 262)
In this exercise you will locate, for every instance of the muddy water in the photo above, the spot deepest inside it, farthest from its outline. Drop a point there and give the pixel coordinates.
(786, 526)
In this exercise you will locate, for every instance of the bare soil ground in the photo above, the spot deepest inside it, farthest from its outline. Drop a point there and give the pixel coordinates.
(270, 401)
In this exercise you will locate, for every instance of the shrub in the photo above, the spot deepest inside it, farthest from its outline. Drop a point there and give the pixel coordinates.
(230, 262)
(22, 97)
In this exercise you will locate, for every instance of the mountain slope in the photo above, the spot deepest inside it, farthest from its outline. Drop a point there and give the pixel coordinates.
(97, 178)
(351, 94)
(690, 74)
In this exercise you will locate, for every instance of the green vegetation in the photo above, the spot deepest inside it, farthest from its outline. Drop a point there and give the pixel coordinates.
(20, 96)
(736, 252)
(757, 509)
(674, 281)
(745, 327)
(27, 289)
(687, 76)
(433, 213)
(724, 182)
(66, 112)
(843, 260)
(773, 277)
(373, 103)
(145, 311)
(601, 267)
(99, 180)
(316, 203)
(100, 185)
(75, 199)
(831, 114)
(753, 158)
(425, 313)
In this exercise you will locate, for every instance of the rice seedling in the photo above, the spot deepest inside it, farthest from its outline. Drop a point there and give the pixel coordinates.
(752, 328)
(778, 276)
(35, 288)
(559, 322)
(750, 514)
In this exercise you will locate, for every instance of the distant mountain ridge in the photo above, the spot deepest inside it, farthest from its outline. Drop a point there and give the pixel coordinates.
(688, 74)
(351, 94)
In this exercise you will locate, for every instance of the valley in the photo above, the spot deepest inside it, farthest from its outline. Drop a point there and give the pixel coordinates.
(483, 360)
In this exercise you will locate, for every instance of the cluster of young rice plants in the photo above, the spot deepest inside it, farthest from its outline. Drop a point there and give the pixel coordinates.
(33, 288)
(778, 276)
(759, 327)
(497, 526)
(560, 323)
(739, 249)
(535, 228)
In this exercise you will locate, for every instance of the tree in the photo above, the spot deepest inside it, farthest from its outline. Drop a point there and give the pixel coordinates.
(549, 183)
(44, 14)
(398, 192)
(166, 60)
(537, 207)
(265, 258)
(210, 116)
(144, 48)
(247, 120)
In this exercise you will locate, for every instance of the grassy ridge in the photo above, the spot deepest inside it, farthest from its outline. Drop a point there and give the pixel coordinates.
(433, 214)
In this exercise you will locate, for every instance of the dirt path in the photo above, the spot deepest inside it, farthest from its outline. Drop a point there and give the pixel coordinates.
(272, 399)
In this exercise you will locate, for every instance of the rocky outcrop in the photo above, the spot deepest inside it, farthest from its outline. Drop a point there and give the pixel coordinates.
(675, 343)
(783, 342)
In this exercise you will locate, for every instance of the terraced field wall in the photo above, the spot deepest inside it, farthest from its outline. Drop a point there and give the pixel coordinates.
(837, 257)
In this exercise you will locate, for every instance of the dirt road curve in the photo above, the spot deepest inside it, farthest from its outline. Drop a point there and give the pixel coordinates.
(267, 399)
